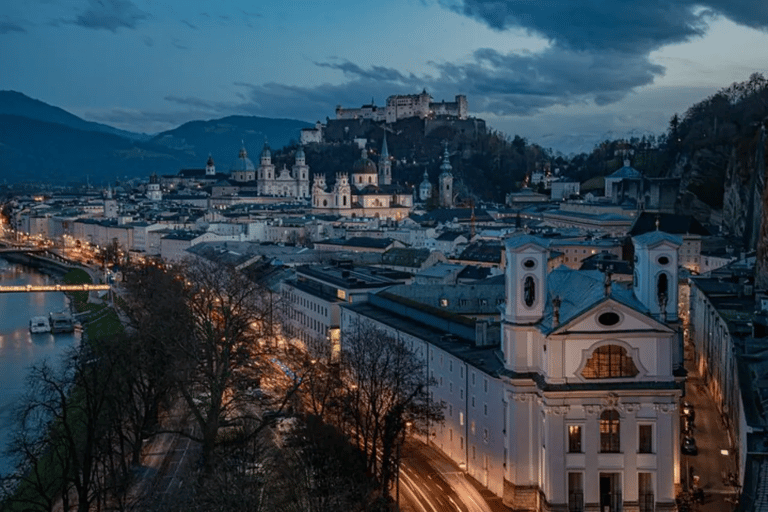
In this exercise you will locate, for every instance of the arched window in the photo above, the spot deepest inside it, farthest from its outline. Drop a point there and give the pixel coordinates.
(610, 431)
(662, 287)
(344, 199)
(529, 291)
(609, 362)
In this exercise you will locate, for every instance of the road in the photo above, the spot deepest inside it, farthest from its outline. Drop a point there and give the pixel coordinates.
(430, 482)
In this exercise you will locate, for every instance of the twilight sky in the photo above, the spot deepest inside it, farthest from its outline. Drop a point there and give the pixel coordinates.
(544, 69)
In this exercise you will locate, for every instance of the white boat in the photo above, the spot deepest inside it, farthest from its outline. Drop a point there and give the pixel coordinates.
(61, 321)
(38, 324)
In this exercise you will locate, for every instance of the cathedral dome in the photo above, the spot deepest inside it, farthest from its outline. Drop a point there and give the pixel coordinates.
(364, 165)
(243, 163)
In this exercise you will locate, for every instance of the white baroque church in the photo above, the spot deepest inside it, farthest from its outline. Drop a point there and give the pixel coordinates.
(593, 382)
(574, 407)
(293, 182)
(369, 193)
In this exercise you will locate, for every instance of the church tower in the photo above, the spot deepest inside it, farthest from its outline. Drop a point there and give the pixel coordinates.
(526, 292)
(300, 173)
(210, 168)
(425, 189)
(445, 181)
(655, 274)
(266, 173)
(385, 164)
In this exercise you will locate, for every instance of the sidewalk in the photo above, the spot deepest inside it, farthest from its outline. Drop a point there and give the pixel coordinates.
(715, 459)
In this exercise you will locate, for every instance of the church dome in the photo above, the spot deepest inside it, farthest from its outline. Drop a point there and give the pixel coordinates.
(364, 165)
(243, 163)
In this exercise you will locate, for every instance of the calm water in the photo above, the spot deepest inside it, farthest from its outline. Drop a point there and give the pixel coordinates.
(18, 348)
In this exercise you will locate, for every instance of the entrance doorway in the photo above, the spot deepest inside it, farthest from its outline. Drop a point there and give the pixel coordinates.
(610, 492)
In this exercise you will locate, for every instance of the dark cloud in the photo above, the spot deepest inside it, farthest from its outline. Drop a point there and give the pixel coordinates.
(110, 15)
(190, 25)
(630, 26)
(7, 26)
(374, 73)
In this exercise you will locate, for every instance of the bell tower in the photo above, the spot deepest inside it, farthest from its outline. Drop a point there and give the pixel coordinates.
(526, 297)
(655, 274)
(385, 164)
(445, 181)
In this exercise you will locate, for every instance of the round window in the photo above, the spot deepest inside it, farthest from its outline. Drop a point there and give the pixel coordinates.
(663, 260)
(529, 263)
(609, 318)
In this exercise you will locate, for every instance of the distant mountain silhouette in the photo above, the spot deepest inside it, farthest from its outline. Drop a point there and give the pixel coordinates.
(18, 104)
(43, 143)
(33, 150)
(223, 138)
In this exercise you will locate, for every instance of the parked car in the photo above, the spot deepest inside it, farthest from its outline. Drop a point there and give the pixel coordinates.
(688, 425)
(688, 446)
(688, 410)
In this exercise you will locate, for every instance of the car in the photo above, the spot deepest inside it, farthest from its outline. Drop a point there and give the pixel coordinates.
(688, 410)
(688, 447)
(688, 425)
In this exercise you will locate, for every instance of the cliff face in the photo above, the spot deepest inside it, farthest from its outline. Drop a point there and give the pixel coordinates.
(722, 185)
(743, 187)
(761, 200)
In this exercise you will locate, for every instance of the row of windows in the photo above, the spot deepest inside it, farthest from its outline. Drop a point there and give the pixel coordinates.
(610, 435)
(444, 302)
(308, 304)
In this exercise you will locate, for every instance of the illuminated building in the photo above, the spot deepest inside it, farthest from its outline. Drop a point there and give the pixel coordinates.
(592, 374)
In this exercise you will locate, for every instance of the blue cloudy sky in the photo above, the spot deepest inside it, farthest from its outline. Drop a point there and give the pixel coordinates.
(529, 67)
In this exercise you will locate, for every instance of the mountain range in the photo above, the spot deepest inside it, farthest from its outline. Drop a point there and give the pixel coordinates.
(43, 143)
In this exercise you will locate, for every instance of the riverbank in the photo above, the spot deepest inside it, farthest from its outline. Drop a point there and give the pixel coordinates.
(40, 263)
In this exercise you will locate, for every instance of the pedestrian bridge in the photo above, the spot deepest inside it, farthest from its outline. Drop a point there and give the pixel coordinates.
(54, 288)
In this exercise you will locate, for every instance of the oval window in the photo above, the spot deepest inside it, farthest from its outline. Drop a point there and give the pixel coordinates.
(529, 263)
(609, 318)
(663, 260)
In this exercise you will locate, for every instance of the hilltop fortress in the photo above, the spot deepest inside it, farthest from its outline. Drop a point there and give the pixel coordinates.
(351, 123)
(403, 106)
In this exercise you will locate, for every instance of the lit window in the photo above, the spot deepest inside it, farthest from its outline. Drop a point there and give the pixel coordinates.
(610, 431)
(444, 303)
(574, 438)
(609, 362)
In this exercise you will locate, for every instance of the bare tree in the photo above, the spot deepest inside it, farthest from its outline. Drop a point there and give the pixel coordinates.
(226, 352)
(388, 391)
(158, 319)
(63, 432)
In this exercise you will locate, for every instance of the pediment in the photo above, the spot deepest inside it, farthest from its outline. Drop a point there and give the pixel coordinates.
(611, 316)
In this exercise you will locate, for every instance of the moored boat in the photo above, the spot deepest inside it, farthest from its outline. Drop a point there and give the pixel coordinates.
(61, 321)
(39, 324)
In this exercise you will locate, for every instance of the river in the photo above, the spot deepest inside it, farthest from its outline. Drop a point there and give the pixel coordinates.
(18, 348)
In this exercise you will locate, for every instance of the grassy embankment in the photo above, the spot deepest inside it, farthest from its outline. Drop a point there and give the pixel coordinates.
(102, 322)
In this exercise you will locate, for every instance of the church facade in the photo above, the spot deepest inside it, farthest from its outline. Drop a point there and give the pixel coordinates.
(368, 192)
(593, 382)
(269, 181)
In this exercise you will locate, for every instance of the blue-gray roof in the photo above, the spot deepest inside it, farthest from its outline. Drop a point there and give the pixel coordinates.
(580, 291)
(626, 172)
(517, 241)
(653, 238)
